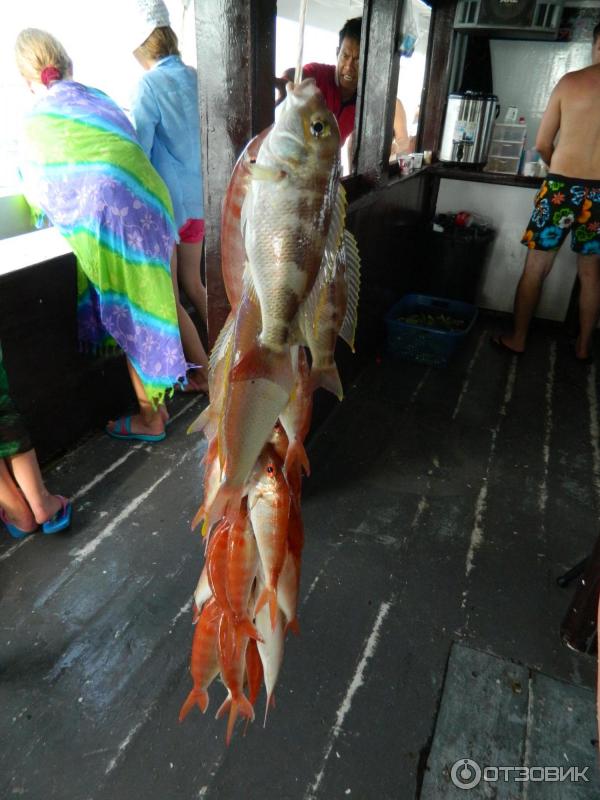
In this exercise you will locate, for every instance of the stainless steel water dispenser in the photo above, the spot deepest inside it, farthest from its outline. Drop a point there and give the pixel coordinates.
(468, 127)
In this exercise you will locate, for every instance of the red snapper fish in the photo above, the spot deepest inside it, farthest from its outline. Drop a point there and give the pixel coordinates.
(233, 252)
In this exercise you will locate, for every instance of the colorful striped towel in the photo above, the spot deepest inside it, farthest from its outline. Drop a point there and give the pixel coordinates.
(86, 171)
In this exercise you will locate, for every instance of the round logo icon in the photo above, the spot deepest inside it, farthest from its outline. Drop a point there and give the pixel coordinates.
(465, 773)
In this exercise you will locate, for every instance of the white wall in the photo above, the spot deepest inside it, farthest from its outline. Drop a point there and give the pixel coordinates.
(509, 209)
(524, 74)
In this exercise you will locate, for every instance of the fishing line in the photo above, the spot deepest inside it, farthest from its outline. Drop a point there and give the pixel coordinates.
(301, 25)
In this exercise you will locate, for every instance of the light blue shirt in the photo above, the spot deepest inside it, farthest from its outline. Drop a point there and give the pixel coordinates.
(165, 114)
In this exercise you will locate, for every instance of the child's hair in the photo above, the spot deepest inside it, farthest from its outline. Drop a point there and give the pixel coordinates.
(36, 51)
(161, 43)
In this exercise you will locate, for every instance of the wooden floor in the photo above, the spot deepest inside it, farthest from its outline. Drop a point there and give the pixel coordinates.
(441, 508)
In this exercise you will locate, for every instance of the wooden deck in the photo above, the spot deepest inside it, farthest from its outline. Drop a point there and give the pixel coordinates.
(441, 508)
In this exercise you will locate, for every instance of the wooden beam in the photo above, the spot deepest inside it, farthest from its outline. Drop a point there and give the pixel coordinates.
(437, 79)
(377, 89)
(235, 45)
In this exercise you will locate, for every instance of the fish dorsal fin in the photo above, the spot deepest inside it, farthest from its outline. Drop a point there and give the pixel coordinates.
(335, 234)
(224, 341)
(307, 314)
(308, 311)
(348, 329)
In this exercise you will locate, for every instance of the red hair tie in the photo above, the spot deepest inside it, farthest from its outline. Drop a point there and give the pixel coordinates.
(49, 74)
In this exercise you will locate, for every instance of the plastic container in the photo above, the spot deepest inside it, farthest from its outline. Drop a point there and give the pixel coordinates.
(506, 149)
(425, 343)
(506, 165)
(509, 132)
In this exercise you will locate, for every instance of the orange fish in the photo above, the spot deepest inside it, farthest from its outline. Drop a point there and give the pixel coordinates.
(269, 504)
(204, 662)
(241, 566)
(233, 665)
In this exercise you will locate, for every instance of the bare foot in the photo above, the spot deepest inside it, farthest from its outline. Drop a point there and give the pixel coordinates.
(508, 344)
(48, 506)
(196, 381)
(22, 519)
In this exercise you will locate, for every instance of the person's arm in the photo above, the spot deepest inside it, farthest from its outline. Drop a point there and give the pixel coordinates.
(401, 141)
(145, 115)
(549, 126)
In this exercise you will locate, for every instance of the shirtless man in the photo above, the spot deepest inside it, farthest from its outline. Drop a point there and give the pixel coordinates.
(569, 200)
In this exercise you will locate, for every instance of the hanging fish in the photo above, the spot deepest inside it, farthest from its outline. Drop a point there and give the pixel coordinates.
(286, 221)
(269, 505)
(204, 665)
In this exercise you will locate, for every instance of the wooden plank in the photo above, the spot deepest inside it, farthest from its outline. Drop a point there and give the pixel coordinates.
(377, 90)
(482, 717)
(439, 57)
(562, 733)
(235, 44)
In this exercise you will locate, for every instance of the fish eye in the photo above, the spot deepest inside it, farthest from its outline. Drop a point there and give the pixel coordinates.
(270, 469)
(319, 128)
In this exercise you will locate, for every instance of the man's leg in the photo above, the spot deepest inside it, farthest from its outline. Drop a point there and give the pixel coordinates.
(537, 266)
(588, 269)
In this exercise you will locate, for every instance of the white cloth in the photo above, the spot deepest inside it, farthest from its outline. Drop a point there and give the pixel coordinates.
(142, 18)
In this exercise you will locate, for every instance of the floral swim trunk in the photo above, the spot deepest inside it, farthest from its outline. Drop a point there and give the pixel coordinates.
(562, 205)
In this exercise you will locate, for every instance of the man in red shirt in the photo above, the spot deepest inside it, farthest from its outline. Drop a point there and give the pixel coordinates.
(338, 82)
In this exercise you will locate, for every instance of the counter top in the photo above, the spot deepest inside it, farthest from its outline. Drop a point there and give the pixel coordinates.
(477, 175)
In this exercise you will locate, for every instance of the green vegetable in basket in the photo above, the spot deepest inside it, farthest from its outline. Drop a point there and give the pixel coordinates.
(443, 322)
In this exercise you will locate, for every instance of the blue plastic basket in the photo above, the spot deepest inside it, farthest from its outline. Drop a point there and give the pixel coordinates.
(426, 345)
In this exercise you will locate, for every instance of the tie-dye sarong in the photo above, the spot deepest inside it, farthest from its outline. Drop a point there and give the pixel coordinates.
(85, 170)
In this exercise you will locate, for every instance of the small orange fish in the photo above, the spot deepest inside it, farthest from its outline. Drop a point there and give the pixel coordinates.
(233, 666)
(269, 504)
(204, 664)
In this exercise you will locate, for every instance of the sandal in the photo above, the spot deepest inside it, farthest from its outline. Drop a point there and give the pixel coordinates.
(122, 430)
(15, 532)
(62, 519)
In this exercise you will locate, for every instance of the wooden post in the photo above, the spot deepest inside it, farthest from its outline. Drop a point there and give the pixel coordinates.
(377, 97)
(439, 57)
(235, 45)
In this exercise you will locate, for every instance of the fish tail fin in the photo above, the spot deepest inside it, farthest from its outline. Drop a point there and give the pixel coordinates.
(293, 626)
(199, 516)
(327, 378)
(197, 697)
(226, 504)
(268, 595)
(269, 704)
(296, 455)
(201, 422)
(240, 705)
(245, 628)
(261, 362)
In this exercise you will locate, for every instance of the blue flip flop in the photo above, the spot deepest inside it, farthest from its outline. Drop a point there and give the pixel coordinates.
(15, 532)
(62, 519)
(122, 430)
